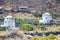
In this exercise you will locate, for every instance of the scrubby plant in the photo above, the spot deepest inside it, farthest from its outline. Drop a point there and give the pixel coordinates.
(36, 38)
(36, 29)
(44, 37)
(18, 20)
(58, 27)
(38, 24)
(51, 37)
(3, 28)
(58, 36)
(37, 14)
(27, 27)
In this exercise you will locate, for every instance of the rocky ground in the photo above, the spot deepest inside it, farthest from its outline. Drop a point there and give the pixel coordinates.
(40, 5)
(13, 35)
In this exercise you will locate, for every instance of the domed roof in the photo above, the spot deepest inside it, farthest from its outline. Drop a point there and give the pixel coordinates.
(47, 13)
(9, 16)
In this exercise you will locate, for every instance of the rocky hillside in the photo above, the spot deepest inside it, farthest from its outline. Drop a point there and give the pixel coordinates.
(40, 5)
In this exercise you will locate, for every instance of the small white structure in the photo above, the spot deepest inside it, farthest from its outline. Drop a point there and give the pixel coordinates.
(46, 18)
(9, 21)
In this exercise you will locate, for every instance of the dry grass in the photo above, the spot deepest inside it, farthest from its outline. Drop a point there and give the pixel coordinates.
(2, 32)
(52, 29)
(23, 16)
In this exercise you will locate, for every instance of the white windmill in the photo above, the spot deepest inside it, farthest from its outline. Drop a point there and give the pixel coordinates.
(46, 18)
(9, 21)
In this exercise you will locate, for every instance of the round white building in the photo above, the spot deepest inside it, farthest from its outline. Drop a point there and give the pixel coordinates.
(9, 21)
(46, 18)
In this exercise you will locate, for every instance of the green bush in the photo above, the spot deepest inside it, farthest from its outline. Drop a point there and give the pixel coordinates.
(51, 37)
(54, 16)
(37, 14)
(38, 24)
(3, 28)
(44, 37)
(36, 38)
(58, 27)
(18, 20)
(27, 27)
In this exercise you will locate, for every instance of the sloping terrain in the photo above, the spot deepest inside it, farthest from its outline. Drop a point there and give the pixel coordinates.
(40, 5)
